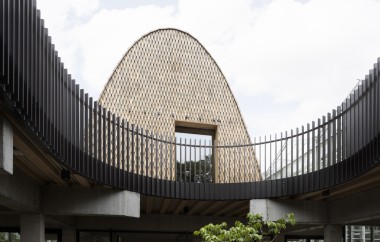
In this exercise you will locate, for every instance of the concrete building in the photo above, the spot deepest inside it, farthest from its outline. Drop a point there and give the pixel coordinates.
(75, 169)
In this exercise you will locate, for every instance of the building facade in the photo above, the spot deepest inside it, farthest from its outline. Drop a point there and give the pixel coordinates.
(75, 169)
(168, 82)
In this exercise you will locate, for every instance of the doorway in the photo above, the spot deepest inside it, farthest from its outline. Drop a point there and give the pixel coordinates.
(194, 152)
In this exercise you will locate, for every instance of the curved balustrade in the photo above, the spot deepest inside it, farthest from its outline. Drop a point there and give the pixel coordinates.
(95, 143)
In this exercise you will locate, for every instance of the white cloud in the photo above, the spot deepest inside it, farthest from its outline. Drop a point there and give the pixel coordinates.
(303, 57)
(63, 14)
(308, 53)
(106, 38)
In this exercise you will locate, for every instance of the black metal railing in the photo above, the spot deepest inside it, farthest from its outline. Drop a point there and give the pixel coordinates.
(93, 142)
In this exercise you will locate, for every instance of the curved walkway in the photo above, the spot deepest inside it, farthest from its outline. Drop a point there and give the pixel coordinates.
(95, 143)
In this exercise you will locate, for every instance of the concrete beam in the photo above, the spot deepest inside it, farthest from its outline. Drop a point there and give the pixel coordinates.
(305, 212)
(19, 192)
(152, 222)
(94, 201)
(6, 147)
(358, 208)
(9, 220)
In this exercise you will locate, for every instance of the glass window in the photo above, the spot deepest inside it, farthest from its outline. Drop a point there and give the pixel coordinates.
(358, 233)
(13, 235)
(51, 237)
(9, 237)
(347, 230)
(367, 233)
(376, 234)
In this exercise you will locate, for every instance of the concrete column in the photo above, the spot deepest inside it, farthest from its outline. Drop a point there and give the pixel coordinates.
(68, 235)
(85, 201)
(32, 227)
(333, 233)
(6, 147)
(305, 212)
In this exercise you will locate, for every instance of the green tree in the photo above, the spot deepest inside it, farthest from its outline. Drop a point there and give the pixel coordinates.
(9, 237)
(256, 229)
(199, 171)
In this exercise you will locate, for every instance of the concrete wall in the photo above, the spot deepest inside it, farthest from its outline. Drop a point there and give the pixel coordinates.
(306, 212)
(359, 208)
(6, 146)
(90, 201)
(19, 192)
(151, 222)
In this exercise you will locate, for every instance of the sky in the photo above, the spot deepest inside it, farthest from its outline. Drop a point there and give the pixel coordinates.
(288, 62)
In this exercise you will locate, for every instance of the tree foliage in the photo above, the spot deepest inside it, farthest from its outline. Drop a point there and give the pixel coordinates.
(199, 171)
(256, 229)
(9, 237)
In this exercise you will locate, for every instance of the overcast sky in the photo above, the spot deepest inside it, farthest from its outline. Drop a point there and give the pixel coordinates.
(288, 62)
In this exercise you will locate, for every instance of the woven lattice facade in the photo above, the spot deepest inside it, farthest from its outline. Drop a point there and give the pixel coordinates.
(168, 76)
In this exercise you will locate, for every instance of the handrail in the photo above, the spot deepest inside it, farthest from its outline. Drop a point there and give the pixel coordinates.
(90, 140)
